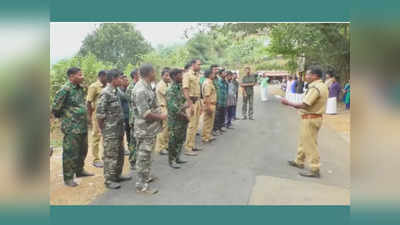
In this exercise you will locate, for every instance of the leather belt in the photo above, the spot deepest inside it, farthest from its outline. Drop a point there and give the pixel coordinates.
(194, 99)
(311, 116)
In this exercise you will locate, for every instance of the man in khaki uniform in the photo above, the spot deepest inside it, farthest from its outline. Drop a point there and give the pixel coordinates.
(161, 91)
(191, 91)
(92, 96)
(311, 110)
(210, 101)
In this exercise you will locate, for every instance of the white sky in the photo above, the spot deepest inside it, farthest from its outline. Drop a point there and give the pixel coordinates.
(66, 38)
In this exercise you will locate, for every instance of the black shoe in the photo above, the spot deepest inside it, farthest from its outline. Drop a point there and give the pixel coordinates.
(197, 149)
(179, 161)
(133, 166)
(294, 164)
(251, 118)
(244, 118)
(122, 178)
(215, 133)
(314, 174)
(112, 185)
(84, 173)
(173, 165)
(70, 183)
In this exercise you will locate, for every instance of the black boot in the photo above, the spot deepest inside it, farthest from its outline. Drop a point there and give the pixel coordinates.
(173, 165)
(70, 183)
(179, 161)
(84, 173)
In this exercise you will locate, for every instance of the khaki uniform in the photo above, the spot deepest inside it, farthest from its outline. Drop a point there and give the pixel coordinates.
(210, 96)
(191, 80)
(92, 96)
(315, 98)
(162, 137)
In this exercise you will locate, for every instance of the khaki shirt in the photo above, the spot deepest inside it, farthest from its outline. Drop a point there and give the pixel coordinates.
(191, 80)
(161, 92)
(209, 92)
(94, 92)
(315, 98)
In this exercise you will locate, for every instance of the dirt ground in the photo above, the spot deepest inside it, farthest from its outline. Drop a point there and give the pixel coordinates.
(87, 190)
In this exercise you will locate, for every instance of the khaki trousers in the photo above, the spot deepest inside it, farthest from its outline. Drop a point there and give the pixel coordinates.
(308, 144)
(192, 127)
(95, 139)
(208, 124)
(163, 136)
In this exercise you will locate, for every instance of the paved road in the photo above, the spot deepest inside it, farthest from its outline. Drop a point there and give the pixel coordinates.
(225, 171)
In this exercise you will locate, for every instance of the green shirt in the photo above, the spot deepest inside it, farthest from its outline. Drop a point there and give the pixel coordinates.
(69, 105)
(222, 92)
(175, 103)
(247, 79)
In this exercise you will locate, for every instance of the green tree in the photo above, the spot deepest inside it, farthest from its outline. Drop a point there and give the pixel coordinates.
(116, 43)
(89, 65)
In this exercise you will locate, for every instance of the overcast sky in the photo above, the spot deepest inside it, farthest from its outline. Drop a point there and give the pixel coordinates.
(66, 38)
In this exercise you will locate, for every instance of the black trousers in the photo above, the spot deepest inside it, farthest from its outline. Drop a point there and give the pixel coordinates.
(219, 117)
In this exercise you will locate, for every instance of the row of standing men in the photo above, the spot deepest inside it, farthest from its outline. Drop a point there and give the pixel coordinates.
(166, 118)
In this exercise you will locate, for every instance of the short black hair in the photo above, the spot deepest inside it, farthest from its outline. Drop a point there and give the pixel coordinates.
(72, 70)
(165, 70)
(112, 74)
(134, 73)
(102, 73)
(187, 66)
(207, 73)
(174, 72)
(194, 61)
(146, 69)
(213, 66)
(316, 69)
(229, 73)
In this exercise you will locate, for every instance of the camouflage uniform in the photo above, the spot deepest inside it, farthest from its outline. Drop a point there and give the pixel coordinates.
(69, 105)
(132, 140)
(109, 108)
(249, 95)
(143, 102)
(177, 124)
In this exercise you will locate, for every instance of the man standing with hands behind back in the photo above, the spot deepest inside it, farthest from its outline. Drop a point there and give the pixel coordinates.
(191, 91)
(92, 96)
(311, 110)
(247, 84)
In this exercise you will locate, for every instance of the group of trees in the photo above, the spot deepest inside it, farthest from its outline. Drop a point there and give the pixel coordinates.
(262, 46)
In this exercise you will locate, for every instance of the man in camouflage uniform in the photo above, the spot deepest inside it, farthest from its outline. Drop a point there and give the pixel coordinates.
(69, 105)
(148, 119)
(110, 119)
(132, 140)
(248, 82)
(177, 119)
(311, 110)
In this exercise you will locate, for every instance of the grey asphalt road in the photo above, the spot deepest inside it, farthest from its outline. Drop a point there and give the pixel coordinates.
(224, 172)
